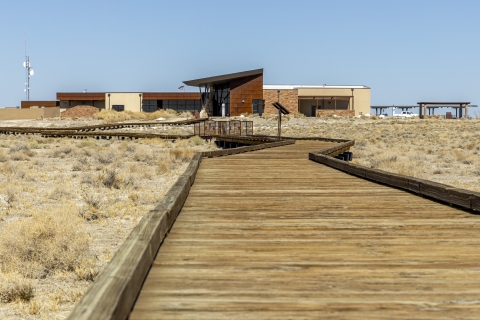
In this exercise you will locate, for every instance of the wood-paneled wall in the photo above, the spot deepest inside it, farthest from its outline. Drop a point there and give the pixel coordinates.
(243, 91)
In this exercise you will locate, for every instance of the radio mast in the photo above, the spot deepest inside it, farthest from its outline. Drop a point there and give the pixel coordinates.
(26, 65)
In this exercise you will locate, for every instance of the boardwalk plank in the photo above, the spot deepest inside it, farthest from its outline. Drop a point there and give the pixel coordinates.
(270, 234)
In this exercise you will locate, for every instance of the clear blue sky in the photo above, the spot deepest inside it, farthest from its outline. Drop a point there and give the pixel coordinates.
(406, 51)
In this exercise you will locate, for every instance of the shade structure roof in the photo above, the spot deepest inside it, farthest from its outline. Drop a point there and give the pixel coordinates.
(436, 102)
(280, 107)
(222, 78)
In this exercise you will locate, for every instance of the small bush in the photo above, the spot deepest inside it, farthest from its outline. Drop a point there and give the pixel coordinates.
(183, 154)
(110, 178)
(19, 147)
(87, 143)
(34, 145)
(3, 156)
(59, 193)
(18, 156)
(86, 271)
(106, 158)
(18, 290)
(196, 141)
(51, 240)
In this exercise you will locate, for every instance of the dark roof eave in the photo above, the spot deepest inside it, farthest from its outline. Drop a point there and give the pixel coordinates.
(222, 78)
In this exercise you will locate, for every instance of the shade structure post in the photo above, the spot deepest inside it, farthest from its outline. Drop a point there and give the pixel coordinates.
(424, 110)
(279, 123)
(466, 111)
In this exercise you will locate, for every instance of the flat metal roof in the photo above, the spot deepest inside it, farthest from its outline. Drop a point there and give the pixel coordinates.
(222, 78)
(443, 102)
(305, 86)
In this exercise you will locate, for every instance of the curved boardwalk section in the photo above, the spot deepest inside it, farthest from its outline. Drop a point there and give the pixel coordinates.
(270, 235)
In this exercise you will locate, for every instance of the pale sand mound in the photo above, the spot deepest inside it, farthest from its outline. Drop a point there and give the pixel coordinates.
(80, 112)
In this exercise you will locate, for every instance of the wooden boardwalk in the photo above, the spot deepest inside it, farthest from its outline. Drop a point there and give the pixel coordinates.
(272, 235)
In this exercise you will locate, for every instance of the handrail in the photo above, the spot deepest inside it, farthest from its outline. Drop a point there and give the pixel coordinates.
(463, 198)
(255, 147)
(106, 126)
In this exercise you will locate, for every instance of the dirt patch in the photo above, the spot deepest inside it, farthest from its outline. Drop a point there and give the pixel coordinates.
(80, 112)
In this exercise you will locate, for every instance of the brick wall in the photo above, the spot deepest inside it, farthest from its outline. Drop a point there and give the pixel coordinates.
(288, 98)
(340, 113)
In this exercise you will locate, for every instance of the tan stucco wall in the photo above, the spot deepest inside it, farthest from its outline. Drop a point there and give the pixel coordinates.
(130, 100)
(361, 96)
(51, 112)
(32, 113)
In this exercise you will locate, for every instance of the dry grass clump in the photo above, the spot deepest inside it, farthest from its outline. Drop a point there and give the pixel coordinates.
(17, 289)
(111, 116)
(49, 241)
(55, 192)
(182, 154)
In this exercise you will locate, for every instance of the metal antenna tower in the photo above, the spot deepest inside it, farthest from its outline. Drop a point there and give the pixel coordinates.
(26, 65)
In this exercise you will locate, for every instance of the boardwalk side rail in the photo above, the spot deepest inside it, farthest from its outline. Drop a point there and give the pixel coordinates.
(110, 135)
(106, 126)
(232, 151)
(463, 198)
(114, 292)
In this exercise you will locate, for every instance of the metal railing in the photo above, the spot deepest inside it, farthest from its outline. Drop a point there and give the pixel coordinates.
(215, 128)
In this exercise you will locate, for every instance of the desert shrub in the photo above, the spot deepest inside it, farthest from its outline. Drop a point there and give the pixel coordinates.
(81, 164)
(110, 178)
(89, 179)
(196, 141)
(29, 153)
(136, 115)
(34, 145)
(10, 196)
(17, 290)
(19, 147)
(181, 154)
(106, 158)
(161, 114)
(18, 156)
(86, 271)
(130, 147)
(143, 156)
(59, 193)
(51, 240)
(66, 150)
(110, 116)
(87, 143)
(3, 156)
(163, 167)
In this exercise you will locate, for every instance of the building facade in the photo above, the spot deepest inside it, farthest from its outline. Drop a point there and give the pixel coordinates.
(314, 100)
(231, 94)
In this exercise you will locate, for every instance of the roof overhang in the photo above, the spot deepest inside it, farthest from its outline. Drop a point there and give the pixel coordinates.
(303, 86)
(222, 78)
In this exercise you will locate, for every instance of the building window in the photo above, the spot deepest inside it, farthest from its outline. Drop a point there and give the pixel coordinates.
(182, 105)
(149, 105)
(118, 107)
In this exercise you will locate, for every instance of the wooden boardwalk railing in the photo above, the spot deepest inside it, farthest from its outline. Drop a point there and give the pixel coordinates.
(272, 235)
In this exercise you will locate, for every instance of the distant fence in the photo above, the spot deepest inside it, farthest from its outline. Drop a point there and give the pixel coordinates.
(28, 114)
(232, 127)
